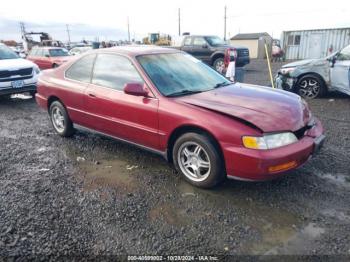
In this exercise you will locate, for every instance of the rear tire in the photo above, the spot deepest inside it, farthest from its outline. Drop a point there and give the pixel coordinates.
(60, 119)
(311, 86)
(198, 159)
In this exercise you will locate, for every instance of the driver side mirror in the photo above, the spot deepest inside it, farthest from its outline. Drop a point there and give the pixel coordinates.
(333, 60)
(205, 46)
(136, 89)
(47, 55)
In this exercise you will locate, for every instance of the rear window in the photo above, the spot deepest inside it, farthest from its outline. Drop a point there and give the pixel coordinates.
(81, 69)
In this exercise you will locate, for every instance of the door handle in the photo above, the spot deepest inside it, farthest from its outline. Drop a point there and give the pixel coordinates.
(91, 95)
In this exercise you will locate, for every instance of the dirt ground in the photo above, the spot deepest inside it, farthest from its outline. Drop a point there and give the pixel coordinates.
(90, 195)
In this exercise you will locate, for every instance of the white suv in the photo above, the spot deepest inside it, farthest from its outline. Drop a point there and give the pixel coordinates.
(17, 75)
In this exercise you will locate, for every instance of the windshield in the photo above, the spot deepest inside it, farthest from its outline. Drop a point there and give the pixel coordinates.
(214, 40)
(58, 52)
(180, 73)
(7, 53)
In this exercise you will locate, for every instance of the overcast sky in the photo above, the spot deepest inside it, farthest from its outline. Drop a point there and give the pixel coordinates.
(108, 19)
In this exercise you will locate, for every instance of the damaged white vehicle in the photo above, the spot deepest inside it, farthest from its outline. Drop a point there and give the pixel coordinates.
(315, 77)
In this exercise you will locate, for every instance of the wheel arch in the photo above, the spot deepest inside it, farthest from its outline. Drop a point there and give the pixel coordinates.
(52, 99)
(216, 56)
(189, 128)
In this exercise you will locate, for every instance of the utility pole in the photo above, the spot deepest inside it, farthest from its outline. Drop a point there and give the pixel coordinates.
(68, 33)
(128, 30)
(24, 37)
(225, 18)
(179, 23)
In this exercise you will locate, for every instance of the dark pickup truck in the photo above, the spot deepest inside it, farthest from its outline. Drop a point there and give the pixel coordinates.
(211, 50)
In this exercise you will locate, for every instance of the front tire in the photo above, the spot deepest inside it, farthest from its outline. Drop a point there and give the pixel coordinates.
(219, 65)
(198, 159)
(311, 86)
(32, 93)
(60, 119)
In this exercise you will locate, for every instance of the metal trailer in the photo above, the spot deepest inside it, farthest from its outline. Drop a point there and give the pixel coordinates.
(318, 43)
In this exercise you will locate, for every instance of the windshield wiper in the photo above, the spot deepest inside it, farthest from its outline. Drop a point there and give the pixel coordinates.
(222, 84)
(184, 92)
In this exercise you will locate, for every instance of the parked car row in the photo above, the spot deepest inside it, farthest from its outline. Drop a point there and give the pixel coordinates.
(167, 101)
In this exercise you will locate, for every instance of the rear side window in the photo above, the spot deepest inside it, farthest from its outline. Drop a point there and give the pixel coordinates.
(199, 41)
(81, 69)
(33, 52)
(39, 52)
(187, 41)
(114, 71)
(45, 52)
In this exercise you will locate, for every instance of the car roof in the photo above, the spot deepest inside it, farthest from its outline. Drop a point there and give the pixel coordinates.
(135, 50)
(48, 47)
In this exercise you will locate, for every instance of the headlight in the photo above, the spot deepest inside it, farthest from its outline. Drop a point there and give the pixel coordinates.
(269, 141)
(36, 70)
(287, 70)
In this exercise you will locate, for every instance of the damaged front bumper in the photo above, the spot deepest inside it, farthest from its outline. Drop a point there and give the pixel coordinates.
(285, 82)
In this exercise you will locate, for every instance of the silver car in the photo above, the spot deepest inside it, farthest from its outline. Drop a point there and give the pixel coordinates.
(315, 77)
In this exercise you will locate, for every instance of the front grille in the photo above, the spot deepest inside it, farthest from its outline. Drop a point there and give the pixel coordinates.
(301, 132)
(18, 72)
(15, 78)
(243, 52)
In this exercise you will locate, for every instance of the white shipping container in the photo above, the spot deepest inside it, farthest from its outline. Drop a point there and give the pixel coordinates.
(318, 43)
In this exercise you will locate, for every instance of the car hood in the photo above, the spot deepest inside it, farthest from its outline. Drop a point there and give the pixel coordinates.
(14, 64)
(303, 62)
(268, 109)
(225, 46)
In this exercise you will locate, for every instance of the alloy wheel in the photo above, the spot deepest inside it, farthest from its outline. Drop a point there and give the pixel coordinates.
(219, 66)
(194, 161)
(309, 88)
(58, 119)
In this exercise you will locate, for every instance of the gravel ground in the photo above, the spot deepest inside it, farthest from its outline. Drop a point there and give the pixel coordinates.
(90, 195)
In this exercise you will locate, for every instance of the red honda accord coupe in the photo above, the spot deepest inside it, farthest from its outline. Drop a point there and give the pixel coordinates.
(166, 101)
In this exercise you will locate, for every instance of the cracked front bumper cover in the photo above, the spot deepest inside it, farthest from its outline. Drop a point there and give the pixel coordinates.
(284, 82)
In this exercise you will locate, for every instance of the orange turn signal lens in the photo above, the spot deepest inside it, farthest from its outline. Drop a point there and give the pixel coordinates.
(282, 167)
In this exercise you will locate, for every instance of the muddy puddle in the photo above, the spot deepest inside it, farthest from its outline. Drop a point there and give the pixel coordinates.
(101, 168)
(112, 173)
(280, 231)
(104, 170)
(276, 230)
